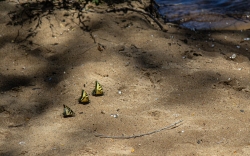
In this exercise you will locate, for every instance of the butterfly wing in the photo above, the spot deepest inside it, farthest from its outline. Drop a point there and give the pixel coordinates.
(84, 99)
(67, 112)
(98, 91)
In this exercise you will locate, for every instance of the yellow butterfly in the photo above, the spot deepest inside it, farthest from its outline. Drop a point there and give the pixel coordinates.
(84, 99)
(98, 91)
(67, 112)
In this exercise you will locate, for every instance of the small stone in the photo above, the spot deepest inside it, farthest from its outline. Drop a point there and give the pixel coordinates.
(199, 141)
(127, 63)
(22, 143)
(233, 56)
(114, 115)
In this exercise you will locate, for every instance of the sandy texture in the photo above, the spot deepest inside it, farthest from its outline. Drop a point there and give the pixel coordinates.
(151, 79)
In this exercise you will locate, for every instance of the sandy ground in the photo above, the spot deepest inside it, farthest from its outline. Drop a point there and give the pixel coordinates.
(151, 80)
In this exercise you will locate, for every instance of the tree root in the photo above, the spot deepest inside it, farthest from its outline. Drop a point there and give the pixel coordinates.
(125, 9)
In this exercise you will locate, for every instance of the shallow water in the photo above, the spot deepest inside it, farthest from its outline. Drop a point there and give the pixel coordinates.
(207, 14)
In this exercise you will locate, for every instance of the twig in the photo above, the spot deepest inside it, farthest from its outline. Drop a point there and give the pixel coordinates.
(140, 11)
(91, 35)
(174, 125)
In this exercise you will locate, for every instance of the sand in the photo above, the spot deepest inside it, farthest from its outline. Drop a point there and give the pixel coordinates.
(150, 78)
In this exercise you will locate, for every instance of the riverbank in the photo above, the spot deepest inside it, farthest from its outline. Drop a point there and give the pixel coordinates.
(151, 79)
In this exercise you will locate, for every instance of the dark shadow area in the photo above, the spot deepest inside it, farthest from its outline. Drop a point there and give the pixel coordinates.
(44, 105)
(112, 2)
(14, 82)
(7, 153)
(233, 41)
(35, 13)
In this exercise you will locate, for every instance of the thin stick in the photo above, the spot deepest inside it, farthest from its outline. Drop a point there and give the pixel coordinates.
(140, 11)
(174, 125)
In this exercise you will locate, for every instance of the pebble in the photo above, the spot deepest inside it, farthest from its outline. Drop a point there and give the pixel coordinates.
(114, 115)
(22, 143)
(233, 56)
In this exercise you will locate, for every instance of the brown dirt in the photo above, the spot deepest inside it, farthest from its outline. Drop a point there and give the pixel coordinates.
(163, 77)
